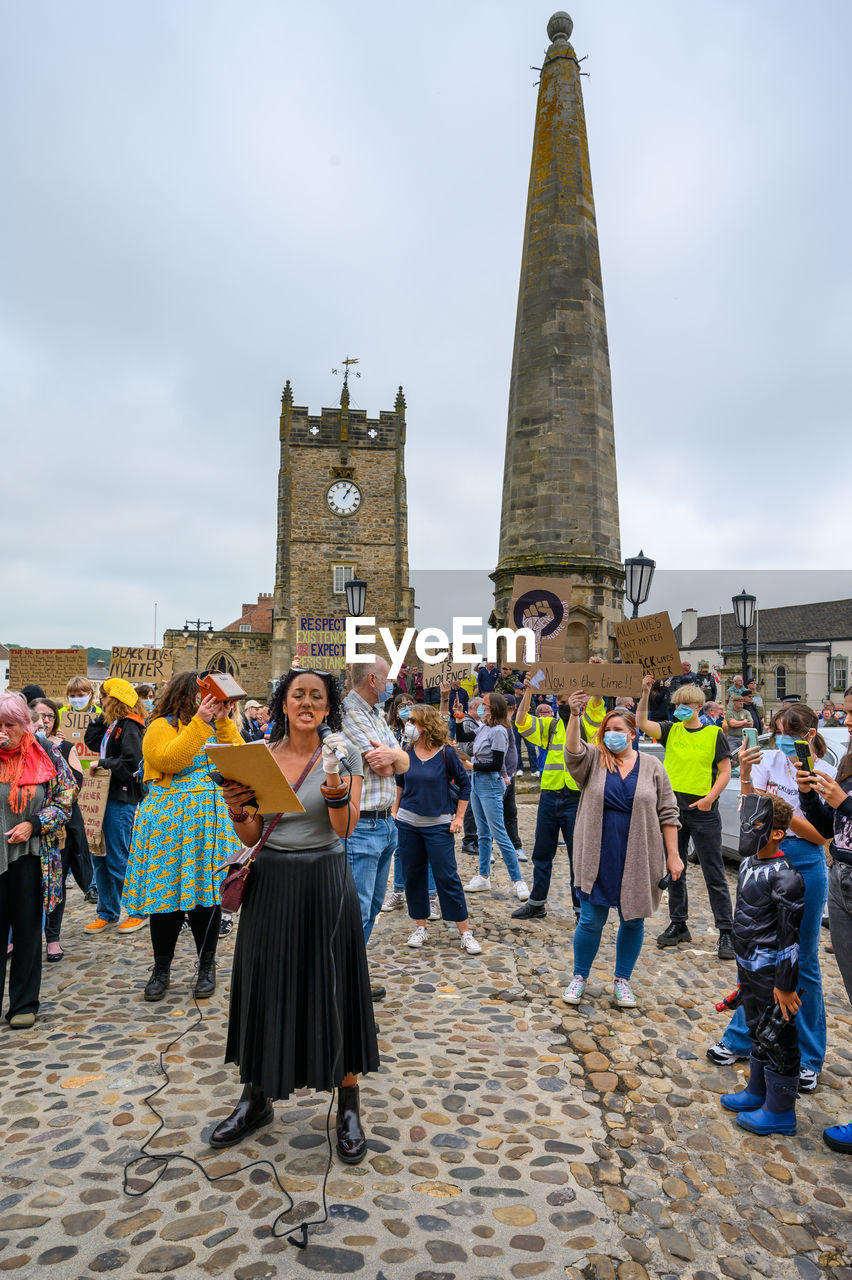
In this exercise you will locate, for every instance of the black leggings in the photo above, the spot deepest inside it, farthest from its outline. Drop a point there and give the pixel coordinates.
(203, 921)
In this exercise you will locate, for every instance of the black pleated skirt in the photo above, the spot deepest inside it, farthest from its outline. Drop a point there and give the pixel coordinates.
(301, 1015)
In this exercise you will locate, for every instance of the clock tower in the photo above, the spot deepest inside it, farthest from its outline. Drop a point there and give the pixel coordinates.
(342, 512)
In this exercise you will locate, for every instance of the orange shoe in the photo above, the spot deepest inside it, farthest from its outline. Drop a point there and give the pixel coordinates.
(131, 923)
(98, 925)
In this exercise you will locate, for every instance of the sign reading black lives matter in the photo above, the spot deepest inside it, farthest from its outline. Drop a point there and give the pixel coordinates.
(541, 605)
(141, 666)
(651, 642)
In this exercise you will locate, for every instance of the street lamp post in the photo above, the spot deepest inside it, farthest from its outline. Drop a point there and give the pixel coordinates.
(638, 575)
(356, 596)
(744, 614)
(195, 624)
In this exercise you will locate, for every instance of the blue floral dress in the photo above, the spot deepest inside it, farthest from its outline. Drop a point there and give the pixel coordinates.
(181, 839)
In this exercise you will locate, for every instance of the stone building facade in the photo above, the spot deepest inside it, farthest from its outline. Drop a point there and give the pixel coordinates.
(560, 491)
(342, 512)
(803, 650)
(244, 655)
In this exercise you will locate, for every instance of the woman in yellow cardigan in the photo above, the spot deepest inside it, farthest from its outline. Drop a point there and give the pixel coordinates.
(182, 835)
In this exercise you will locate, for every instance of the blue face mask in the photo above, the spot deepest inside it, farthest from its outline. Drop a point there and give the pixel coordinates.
(385, 693)
(482, 711)
(404, 713)
(682, 713)
(785, 743)
(615, 740)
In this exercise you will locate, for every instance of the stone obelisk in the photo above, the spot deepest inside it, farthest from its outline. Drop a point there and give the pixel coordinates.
(560, 497)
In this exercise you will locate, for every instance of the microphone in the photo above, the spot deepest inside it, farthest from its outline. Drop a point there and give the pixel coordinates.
(324, 732)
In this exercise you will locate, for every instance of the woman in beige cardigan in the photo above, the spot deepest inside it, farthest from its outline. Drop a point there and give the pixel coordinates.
(625, 838)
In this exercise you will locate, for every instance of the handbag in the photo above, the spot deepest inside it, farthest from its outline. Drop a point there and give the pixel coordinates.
(238, 867)
(452, 785)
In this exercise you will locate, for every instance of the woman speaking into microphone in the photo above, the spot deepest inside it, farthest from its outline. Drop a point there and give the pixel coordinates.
(301, 1015)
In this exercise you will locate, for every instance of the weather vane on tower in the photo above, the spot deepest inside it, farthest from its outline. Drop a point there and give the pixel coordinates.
(347, 369)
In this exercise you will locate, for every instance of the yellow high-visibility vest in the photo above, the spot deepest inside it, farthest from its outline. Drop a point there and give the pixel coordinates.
(546, 732)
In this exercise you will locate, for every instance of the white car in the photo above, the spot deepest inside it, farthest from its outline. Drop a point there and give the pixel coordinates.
(838, 743)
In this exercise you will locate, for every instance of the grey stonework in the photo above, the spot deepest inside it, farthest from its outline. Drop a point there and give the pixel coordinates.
(560, 497)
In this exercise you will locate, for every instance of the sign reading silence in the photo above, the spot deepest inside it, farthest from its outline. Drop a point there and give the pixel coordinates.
(650, 642)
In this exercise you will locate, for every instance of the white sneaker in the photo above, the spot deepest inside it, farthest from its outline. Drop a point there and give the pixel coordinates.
(418, 937)
(573, 993)
(393, 901)
(469, 944)
(521, 856)
(434, 912)
(521, 890)
(478, 884)
(624, 997)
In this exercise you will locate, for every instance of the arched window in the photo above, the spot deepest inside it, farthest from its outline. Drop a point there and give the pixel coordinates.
(223, 662)
(780, 683)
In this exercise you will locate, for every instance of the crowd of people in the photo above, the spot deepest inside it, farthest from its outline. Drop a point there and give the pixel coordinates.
(388, 774)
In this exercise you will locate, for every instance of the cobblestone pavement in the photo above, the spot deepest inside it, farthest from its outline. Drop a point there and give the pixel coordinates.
(510, 1135)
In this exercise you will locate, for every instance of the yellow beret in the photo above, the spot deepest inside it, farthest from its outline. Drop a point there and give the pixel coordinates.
(122, 690)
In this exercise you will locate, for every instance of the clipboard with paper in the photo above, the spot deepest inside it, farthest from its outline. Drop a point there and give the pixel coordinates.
(253, 765)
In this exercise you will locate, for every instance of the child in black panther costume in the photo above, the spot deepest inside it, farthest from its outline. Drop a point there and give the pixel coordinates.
(770, 902)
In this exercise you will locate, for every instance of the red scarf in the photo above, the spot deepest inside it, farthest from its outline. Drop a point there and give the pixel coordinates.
(24, 767)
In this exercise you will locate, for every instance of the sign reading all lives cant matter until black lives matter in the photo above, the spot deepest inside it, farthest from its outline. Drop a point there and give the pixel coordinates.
(141, 665)
(600, 679)
(51, 669)
(651, 642)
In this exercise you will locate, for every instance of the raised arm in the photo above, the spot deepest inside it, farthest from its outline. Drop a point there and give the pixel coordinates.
(651, 727)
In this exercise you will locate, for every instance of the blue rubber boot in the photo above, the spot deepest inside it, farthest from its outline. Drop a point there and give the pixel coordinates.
(778, 1113)
(839, 1138)
(753, 1095)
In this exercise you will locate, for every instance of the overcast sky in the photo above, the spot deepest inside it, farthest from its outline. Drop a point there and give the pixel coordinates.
(202, 199)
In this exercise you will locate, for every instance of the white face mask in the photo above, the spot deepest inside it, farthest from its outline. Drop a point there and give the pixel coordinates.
(79, 703)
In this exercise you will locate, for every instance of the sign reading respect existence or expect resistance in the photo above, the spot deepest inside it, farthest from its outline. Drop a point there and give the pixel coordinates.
(141, 665)
(650, 642)
(600, 679)
(49, 668)
(320, 642)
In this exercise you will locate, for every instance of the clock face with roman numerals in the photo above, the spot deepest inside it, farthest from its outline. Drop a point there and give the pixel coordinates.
(343, 497)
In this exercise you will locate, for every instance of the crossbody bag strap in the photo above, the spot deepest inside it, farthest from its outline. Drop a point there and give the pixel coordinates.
(274, 823)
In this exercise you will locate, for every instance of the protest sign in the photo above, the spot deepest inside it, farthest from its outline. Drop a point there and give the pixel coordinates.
(92, 801)
(651, 642)
(72, 727)
(600, 679)
(319, 642)
(435, 673)
(49, 668)
(141, 665)
(541, 605)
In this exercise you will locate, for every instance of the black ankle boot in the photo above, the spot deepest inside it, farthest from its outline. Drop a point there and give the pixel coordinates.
(351, 1143)
(158, 983)
(205, 983)
(253, 1110)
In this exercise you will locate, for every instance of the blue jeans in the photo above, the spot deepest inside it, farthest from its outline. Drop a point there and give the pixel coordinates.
(110, 869)
(486, 800)
(370, 848)
(587, 939)
(433, 848)
(557, 812)
(809, 860)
